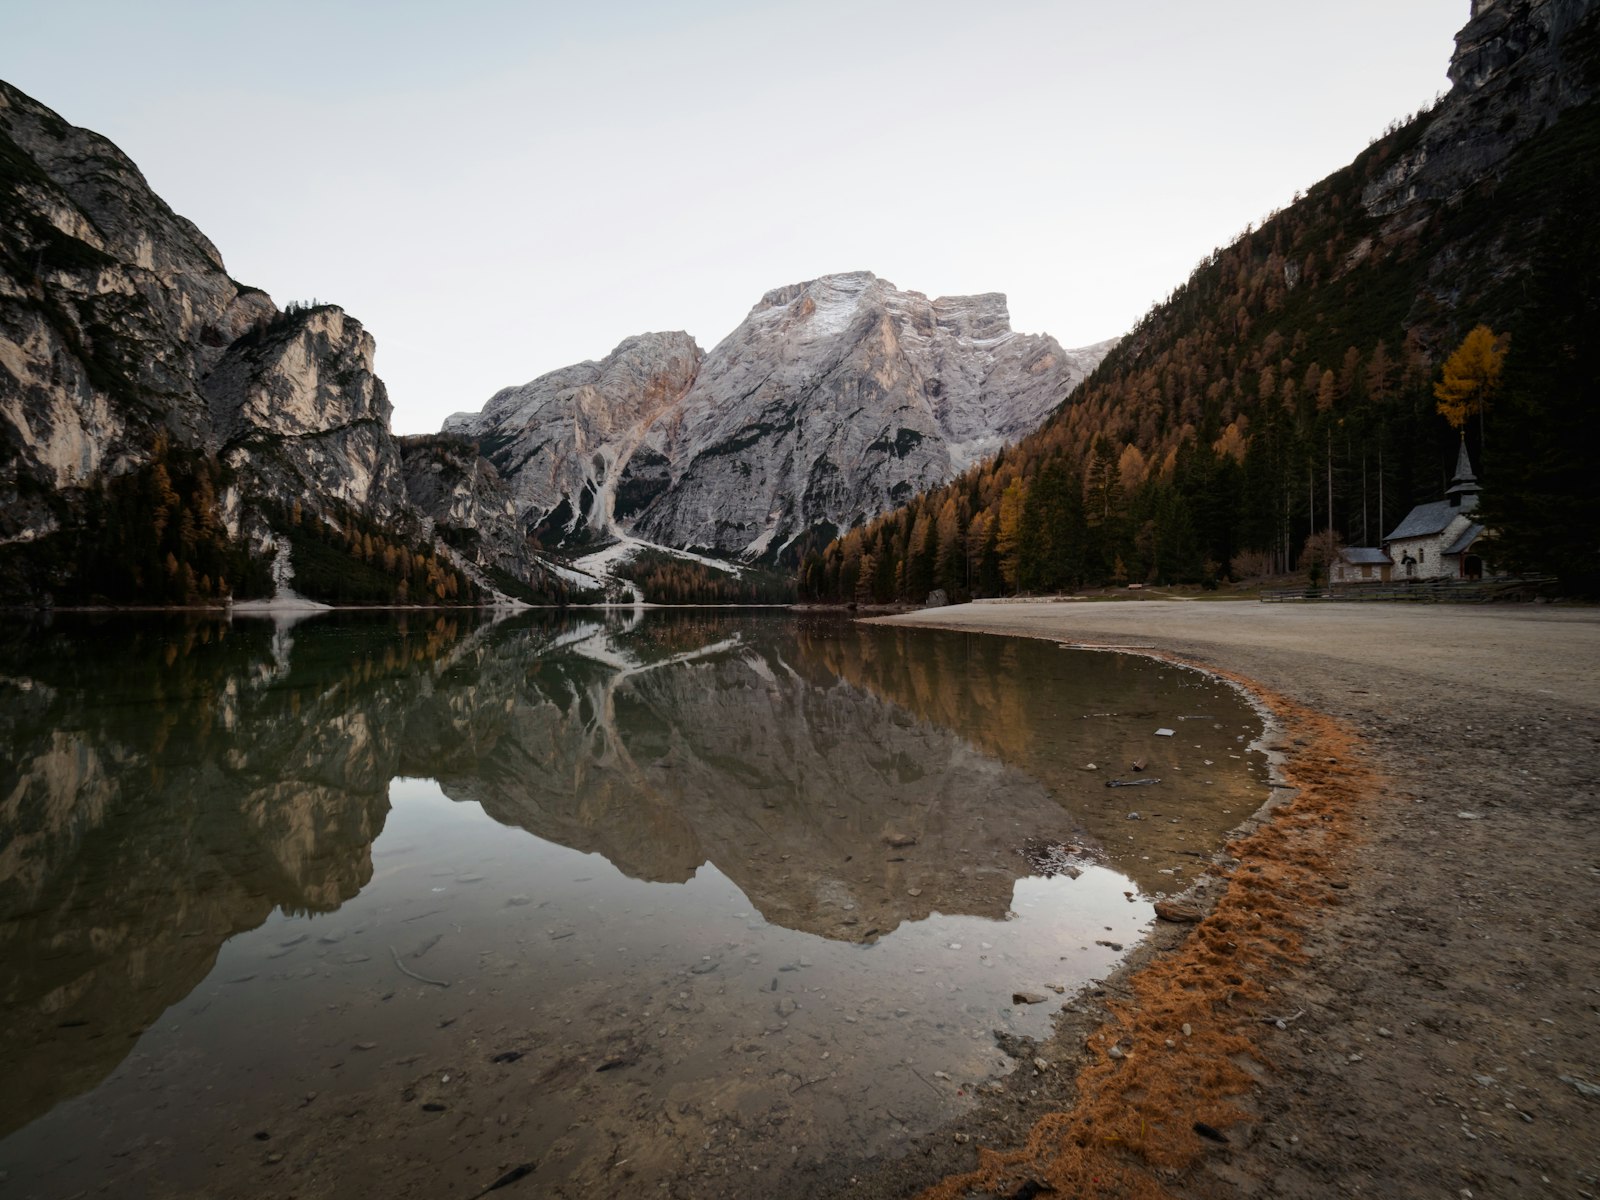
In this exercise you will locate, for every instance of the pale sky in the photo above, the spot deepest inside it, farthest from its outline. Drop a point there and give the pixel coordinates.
(498, 189)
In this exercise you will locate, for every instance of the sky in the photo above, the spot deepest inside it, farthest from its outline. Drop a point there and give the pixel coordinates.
(496, 189)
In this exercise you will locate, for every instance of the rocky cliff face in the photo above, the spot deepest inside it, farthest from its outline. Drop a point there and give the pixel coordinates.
(1523, 61)
(296, 410)
(473, 512)
(112, 309)
(564, 441)
(834, 400)
(128, 354)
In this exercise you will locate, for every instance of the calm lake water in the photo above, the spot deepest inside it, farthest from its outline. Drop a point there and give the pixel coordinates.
(675, 904)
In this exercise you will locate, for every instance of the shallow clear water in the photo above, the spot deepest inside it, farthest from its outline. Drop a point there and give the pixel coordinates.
(309, 909)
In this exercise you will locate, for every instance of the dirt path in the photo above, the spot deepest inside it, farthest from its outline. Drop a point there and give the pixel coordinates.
(1450, 1042)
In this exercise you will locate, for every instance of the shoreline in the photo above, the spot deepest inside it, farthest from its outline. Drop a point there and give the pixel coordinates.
(1430, 1048)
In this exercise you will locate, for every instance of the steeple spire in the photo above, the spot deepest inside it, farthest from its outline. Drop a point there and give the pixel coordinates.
(1463, 492)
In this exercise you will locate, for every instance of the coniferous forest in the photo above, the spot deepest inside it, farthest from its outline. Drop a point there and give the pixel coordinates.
(1282, 402)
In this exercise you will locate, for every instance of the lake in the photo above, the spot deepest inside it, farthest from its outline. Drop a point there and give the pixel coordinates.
(687, 902)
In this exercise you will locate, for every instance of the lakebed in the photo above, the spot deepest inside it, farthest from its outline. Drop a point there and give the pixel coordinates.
(1438, 886)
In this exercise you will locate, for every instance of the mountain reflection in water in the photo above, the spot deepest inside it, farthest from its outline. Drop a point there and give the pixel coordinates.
(170, 784)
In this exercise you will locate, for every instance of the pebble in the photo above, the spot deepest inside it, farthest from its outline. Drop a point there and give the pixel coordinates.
(1027, 997)
(1187, 1029)
(1382, 1032)
(1115, 1052)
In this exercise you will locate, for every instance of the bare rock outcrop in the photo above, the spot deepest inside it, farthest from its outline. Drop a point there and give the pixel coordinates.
(833, 401)
(472, 511)
(297, 410)
(838, 399)
(112, 309)
(563, 440)
(127, 351)
(1524, 61)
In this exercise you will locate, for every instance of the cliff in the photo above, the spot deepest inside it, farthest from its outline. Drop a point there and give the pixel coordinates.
(167, 434)
(833, 400)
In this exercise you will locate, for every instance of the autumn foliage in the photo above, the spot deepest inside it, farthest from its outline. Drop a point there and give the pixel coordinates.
(1300, 383)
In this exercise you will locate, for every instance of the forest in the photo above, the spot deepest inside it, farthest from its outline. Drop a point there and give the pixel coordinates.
(670, 579)
(1287, 399)
(153, 535)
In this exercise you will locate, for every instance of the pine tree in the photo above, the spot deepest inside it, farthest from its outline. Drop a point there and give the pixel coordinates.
(1542, 499)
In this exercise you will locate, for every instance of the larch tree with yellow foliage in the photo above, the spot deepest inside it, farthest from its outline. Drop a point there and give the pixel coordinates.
(1471, 375)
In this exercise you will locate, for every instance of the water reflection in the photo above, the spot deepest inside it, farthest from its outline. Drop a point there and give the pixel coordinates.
(171, 785)
(168, 786)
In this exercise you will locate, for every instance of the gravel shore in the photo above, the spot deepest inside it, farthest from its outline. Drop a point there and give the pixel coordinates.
(1449, 1037)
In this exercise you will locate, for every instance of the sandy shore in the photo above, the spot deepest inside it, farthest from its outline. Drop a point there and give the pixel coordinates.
(1450, 990)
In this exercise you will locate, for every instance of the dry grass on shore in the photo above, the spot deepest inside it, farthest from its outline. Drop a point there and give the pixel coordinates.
(1187, 1042)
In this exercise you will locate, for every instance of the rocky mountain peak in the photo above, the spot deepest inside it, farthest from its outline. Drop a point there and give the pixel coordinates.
(843, 298)
(836, 398)
(562, 440)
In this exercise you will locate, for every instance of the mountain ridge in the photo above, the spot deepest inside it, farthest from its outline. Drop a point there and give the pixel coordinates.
(168, 435)
(741, 450)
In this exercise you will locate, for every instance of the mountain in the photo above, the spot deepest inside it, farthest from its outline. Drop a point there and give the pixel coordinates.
(564, 441)
(167, 434)
(834, 400)
(1281, 400)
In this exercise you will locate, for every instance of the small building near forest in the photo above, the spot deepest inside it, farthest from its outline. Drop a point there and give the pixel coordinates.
(1435, 541)
(1360, 564)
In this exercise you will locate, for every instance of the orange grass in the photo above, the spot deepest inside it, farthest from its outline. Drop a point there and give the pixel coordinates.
(1131, 1126)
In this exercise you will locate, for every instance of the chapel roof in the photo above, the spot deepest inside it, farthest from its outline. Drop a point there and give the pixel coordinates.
(1468, 536)
(1425, 520)
(1365, 556)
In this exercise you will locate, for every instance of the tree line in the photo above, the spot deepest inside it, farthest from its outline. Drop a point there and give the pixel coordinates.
(1302, 390)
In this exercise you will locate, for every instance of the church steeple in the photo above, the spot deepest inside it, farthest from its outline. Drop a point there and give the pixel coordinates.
(1463, 492)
